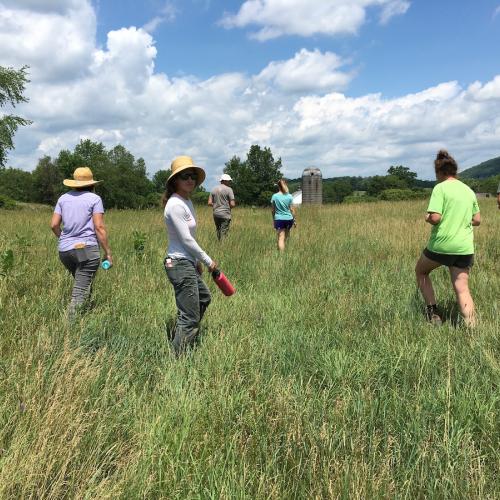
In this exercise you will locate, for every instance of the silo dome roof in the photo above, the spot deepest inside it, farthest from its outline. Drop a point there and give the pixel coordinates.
(311, 171)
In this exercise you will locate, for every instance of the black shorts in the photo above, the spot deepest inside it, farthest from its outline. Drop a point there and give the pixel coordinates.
(283, 224)
(461, 261)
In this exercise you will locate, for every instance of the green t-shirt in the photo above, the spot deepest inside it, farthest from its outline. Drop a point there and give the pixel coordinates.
(282, 203)
(457, 203)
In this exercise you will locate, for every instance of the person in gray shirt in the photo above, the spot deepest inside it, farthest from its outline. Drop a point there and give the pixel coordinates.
(222, 200)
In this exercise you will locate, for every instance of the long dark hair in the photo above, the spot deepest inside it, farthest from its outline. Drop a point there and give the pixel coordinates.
(445, 164)
(169, 191)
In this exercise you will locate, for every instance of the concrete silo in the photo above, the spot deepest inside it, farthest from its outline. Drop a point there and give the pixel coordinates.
(312, 192)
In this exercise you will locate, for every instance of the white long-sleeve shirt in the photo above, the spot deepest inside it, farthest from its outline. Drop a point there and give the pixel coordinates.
(181, 231)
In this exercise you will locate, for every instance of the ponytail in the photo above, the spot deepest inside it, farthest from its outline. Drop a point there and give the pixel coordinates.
(282, 186)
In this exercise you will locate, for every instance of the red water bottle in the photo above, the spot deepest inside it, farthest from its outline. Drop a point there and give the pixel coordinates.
(222, 282)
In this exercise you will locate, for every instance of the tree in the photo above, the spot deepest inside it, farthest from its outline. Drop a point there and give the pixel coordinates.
(12, 83)
(403, 173)
(379, 183)
(255, 178)
(17, 184)
(160, 180)
(336, 191)
(47, 181)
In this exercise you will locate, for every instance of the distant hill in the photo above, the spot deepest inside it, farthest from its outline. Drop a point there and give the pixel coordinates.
(483, 170)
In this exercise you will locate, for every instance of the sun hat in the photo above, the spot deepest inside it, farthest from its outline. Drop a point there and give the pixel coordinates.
(82, 177)
(183, 163)
(225, 177)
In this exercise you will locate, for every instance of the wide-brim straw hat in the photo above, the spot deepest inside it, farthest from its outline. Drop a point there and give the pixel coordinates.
(82, 177)
(184, 163)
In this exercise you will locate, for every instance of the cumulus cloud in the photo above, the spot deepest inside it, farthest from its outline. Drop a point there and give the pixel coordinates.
(56, 42)
(307, 71)
(295, 106)
(309, 17)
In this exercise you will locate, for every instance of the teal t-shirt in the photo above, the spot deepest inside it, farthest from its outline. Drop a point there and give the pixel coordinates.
(282, 203)
(457, 203)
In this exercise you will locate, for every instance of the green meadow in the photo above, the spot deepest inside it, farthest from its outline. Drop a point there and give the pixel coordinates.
(319, 378)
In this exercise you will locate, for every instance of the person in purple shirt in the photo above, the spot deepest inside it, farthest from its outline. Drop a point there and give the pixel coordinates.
(81, 213)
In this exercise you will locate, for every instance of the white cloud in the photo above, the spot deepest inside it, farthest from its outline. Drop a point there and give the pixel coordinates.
(394, 8)
(56, 42)
(309, 17)
(307, 71)
(496, 12)
(167, 14)
(294, 106)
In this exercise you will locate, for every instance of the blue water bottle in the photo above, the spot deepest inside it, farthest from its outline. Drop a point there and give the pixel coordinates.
(106, 264)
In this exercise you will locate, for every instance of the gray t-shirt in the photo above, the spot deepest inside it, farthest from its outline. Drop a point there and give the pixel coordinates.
(221, 196)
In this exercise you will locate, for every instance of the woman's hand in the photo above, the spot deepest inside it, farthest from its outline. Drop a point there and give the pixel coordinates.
(213, 266)
(109, 258)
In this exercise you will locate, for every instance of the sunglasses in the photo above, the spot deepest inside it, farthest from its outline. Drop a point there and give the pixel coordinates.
(184, 176)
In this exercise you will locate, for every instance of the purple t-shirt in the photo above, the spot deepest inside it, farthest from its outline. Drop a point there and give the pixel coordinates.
(76, 209)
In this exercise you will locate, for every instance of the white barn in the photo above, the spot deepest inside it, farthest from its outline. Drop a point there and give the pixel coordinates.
(297, 198)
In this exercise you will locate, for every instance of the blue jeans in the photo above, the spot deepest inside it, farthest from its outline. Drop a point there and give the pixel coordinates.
(192, 297)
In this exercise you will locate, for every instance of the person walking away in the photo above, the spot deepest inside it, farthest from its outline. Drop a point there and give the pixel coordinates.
(283, 213)
(185, 258)
(81, 213)
(452, 211)
(222, 200)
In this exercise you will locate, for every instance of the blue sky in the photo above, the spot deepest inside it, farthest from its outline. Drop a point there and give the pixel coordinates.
(349, 86)
(434, 41)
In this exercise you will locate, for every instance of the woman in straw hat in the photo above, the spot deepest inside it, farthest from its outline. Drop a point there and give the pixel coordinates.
(81, 213)
(184, 259)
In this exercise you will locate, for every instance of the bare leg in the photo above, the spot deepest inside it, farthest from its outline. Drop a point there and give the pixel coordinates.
(460, 281)
(422, 269)
(281, 239)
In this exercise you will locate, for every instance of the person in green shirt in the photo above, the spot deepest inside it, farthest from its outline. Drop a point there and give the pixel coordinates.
(283, 213)
(452, 211)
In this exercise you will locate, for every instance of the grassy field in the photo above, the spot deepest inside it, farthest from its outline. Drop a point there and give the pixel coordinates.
(318, 379)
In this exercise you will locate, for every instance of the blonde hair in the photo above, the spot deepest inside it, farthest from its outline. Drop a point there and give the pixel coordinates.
(282, 186)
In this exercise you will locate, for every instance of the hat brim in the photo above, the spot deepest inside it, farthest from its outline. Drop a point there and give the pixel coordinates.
(73, 184)
(200, 173)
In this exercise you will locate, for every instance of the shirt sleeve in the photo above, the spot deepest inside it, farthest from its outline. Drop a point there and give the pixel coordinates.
(231, 194)
(58, 207)
(436, 201)
(179, 219)
(98, 207)
(475, 206)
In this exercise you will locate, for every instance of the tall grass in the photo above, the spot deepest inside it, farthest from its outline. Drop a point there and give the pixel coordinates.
(319, 378)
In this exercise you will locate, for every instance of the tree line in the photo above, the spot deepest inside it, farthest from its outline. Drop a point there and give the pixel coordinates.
(126, 184)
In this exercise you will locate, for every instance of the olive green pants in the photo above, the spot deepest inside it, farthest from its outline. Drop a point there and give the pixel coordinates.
(221, 226)
(192, 297)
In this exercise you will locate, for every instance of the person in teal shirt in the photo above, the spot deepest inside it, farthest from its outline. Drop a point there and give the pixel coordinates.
(283, 213)
(452, 211)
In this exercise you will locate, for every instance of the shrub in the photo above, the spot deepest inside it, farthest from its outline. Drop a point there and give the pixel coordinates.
(402, 194)
(7, 203)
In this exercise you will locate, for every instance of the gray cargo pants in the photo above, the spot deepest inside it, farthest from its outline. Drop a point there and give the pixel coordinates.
(192, 297)
(82, 264)
(221, 226)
